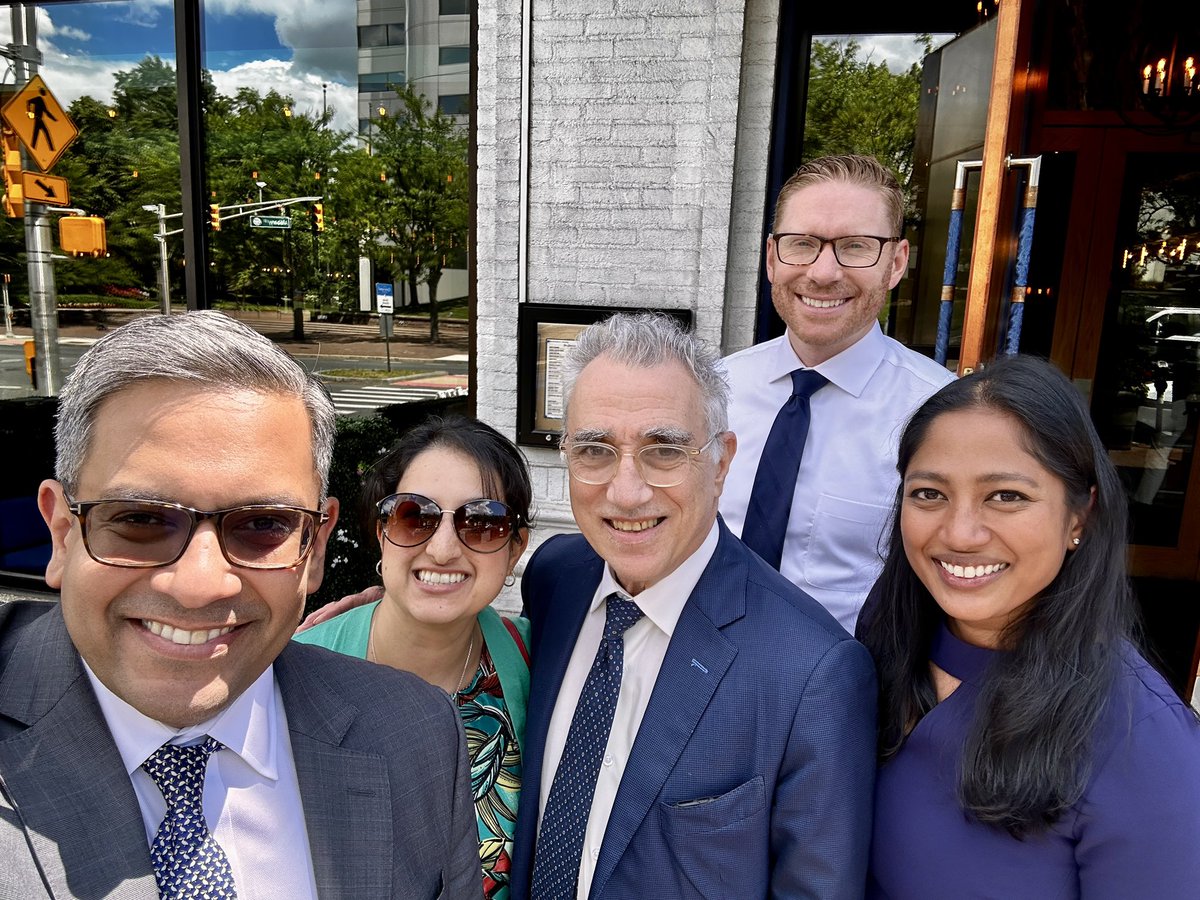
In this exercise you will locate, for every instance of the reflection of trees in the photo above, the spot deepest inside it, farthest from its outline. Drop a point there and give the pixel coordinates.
(424, 152)
(858, 106)
(404, 204)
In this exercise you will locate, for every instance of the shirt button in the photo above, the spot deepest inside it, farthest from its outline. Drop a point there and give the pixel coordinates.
(595, 853)
(608, 760)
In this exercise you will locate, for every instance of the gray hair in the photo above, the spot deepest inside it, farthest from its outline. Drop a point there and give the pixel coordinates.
(643, 340)
(207, 349)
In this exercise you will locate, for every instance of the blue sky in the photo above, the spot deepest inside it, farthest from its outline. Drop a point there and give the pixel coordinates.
(292, 46)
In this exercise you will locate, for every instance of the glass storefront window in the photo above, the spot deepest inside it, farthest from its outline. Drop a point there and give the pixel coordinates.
(1147, 396)
(336, 156)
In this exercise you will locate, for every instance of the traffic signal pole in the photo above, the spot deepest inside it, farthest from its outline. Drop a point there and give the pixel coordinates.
(43, 297)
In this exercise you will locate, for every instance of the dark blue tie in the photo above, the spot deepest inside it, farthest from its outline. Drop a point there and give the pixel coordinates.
(775, 481)
(560, 840)
(188, 861)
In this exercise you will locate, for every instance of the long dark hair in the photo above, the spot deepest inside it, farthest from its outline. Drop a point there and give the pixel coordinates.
(1027, 754)
(502, 466)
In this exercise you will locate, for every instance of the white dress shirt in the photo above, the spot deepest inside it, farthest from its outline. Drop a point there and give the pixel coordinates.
(251, 795)
(645, 647)
(847, 481)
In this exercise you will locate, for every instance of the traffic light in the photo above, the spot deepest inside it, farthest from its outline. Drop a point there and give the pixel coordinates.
(82, 235)
(318, 217)
(14, 193)
(214, 216)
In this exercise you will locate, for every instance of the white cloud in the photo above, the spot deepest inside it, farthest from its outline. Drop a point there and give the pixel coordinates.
(304, 88)
(77, 74)
(897, 51)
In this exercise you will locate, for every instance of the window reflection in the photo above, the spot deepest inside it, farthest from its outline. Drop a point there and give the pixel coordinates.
(1147, 399)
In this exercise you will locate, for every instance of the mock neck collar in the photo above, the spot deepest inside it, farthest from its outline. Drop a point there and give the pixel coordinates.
(956, 657)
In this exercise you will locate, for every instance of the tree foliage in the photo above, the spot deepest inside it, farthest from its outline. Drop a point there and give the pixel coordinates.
(398, 196)
(858, 106)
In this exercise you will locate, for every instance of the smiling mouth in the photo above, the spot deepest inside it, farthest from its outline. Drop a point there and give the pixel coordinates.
(817, 303)
(972, 571)
(636, 525)
(426, 577)
(183, 637)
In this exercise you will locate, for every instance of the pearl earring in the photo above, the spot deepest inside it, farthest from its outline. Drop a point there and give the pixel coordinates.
(1075, 541)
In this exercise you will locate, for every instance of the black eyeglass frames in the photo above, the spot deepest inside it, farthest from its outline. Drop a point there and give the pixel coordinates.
(853, 251)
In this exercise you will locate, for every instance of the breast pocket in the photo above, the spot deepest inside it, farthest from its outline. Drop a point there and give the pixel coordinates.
(720, 845)
(843, 548)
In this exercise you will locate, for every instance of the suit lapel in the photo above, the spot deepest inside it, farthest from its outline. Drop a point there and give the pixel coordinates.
(564, 613)
(65, 775)
(346, 793)
(697, 659)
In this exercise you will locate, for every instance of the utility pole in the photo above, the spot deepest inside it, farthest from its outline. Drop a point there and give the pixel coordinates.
(43, 297)
(164, 284)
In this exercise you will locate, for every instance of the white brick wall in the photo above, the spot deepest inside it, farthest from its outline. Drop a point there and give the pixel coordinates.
(648, 135)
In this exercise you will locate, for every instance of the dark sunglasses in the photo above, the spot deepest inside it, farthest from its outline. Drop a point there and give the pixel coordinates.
(139, 534)
(409, 520)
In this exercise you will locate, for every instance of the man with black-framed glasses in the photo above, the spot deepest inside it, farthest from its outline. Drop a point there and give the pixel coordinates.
(159, 733)
(818, 411)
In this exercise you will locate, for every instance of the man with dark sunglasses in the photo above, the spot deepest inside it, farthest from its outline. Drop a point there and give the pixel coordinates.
(159, 734)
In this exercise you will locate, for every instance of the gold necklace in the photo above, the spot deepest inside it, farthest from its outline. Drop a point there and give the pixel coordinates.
(462, 674)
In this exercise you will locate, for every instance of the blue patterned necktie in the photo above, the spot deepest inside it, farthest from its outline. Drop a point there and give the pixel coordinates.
(775, 481)
(188, 862)
(560, 840)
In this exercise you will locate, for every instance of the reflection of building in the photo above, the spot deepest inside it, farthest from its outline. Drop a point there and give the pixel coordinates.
(425, 43)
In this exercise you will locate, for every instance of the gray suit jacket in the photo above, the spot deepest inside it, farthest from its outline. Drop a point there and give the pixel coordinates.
(379, 754)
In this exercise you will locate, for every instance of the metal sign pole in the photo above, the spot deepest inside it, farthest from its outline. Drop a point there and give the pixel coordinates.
(43, 311)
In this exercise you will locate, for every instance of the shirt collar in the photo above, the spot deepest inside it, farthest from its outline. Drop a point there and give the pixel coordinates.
(248, 726)
(662, 603)
(850, 370)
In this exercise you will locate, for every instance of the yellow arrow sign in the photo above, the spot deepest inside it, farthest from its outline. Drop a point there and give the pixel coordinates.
(38, 119)
(49, 189)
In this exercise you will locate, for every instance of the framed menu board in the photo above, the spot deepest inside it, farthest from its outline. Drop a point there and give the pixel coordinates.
(544, 333)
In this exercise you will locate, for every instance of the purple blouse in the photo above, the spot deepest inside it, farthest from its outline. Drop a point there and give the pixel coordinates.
(1134, 833)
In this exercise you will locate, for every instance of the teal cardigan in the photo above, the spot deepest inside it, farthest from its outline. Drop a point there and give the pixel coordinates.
(348, 634)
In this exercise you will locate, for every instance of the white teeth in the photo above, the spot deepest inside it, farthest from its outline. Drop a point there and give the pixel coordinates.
(440, 577)
(820, 304)
(641, 525)
(179, 636)
(972, 571)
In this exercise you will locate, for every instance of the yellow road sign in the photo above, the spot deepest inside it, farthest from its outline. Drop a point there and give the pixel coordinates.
(49, 189)
(36, 116)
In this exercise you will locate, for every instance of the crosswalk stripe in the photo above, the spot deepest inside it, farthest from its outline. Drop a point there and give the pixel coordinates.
(364, 399)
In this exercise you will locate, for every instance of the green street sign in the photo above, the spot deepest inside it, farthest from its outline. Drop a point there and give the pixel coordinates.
(270, 221)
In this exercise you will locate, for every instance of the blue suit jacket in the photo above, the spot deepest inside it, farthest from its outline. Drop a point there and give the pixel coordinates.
(753, 770)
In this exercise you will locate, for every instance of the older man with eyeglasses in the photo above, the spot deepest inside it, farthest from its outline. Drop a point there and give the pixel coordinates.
(159, 735)
(697, 725)
(818, 411)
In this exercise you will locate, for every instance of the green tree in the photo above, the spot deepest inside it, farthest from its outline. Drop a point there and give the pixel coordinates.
(254, 137)
(425, 219)
(858, 106)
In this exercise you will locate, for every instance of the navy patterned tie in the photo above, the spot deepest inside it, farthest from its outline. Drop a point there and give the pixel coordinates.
(775, 481)
(560, 840)
(188, 862)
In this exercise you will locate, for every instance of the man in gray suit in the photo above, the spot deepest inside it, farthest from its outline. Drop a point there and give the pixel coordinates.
(159, 734)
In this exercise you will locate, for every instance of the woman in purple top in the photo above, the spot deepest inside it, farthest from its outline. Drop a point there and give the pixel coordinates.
(1027, 749)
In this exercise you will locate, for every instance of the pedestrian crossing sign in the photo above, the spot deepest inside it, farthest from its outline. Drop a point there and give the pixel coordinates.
(41, 123)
